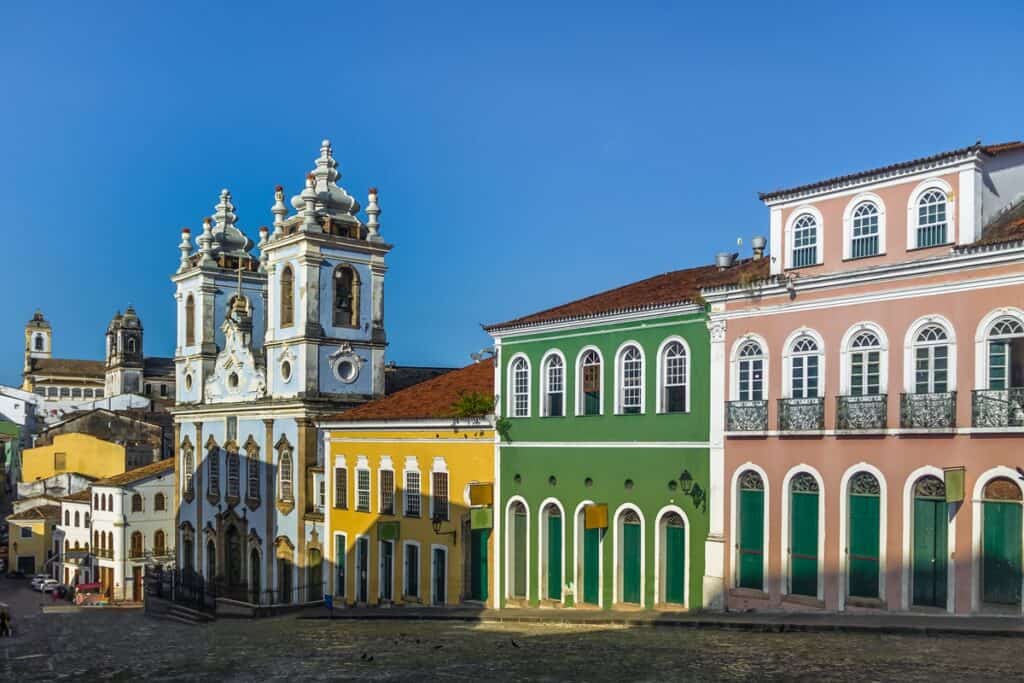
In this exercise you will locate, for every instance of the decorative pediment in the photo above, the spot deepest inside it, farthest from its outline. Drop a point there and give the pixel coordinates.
(254, 539)
(231, 446)
(186, 443)
(251, 446)
(238, 374)
(284, 548)
(283, 443)
(211, 443)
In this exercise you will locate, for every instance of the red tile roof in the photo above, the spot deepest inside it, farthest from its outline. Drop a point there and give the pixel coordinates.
(432, 399)
(138, 474)
(990, 150)
(1006, 227)
(36, 513)
(668, 289)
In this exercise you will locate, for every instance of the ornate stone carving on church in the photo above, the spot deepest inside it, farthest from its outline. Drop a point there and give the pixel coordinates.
(238, 373)
(346, 363)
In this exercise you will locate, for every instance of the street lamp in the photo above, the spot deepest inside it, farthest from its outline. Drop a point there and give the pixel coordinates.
(686, 482)
(436, 522)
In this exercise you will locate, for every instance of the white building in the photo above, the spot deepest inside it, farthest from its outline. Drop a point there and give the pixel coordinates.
(132, 526)
(73, 536)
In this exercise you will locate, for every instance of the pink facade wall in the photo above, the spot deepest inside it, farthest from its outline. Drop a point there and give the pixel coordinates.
(895, 456)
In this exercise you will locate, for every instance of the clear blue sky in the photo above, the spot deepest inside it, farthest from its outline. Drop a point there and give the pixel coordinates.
(525, 156)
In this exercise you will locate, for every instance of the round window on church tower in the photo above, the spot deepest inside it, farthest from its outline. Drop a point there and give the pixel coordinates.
(286, 371)
(347, 371)
(233, 380)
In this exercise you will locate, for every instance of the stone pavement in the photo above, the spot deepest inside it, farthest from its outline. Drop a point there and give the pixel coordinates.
(772, 622)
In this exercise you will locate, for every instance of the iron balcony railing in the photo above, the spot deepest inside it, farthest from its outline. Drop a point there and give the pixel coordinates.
(928, 411)
(802, 414)
(858, 413)
(998, 408)
(105, 553)
(746, 416)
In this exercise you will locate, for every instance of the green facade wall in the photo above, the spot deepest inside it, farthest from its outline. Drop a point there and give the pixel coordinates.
(549, 457)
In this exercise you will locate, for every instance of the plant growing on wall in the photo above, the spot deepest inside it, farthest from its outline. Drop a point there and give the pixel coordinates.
(473, 404)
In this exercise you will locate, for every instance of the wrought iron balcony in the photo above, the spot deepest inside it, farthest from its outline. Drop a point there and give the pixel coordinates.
(860, 413)
(997, 408)
(746, 416)
(928, 411)
(801, 414)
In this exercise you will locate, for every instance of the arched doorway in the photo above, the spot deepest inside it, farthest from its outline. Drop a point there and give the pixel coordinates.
(189, 554)
(314, 576)
(864, 535)
(672, 569)
(803, 540)
(551, 552)
(1001, 542)
(233, 558)
(750, 546)
(930, 543)
(254, 576)
(284, 580)
(519, 535)
(631, 533)
(211, 560)
(589, 559)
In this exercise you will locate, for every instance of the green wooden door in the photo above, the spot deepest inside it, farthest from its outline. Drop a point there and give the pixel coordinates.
(554, 577)
(804, 544)
(387, 562)
(751, 542)
(1001, 552)
(591, 565)
(631, 562)
(675, 563)
(519, 554)
(930, 552)
(440, 577)
(479, 539)
(864, 542)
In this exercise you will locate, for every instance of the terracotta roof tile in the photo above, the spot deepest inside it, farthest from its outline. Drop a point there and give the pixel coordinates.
(676, 287)
(82, 496)
(1006, 227)
(427, 400)
(137, 474)
(36, 513)
(68, 367)
(991, 150)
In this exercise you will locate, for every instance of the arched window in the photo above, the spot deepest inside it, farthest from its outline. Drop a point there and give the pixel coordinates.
(346, 297)
(805, 241)
(519, 377)
(805, 359)
(211, 560)
(631, 380)
(287, 297)
(750, 375)
(137, 503)
(864, 536)
(931, 361)
(131, 345)
(86, 520)
(234, 474)
(190, 321)
(96, 542)
(1006, 354)
(931, 219)
(674, 378)
(864, 233)
(213, 470)
(286, 475)
(110, 502)
(590, 384)
(189, 467)
(158, 543)
(77, 518)
(67, 546)
(554, 386)
(67, 518)
(252, 473)
(136, 546)
(39, 342)
(865, 365)
(159, 502)
(750, 527)
(96, 501)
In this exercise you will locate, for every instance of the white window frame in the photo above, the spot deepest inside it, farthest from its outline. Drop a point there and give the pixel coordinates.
(512, 386)
(982, 338)
(795, 214)
(339, 464)
(662, 376)
(419, 573)
(545, 409)
(412, 467)
(734, 365)
(580, 395)
(619, 384)
(441, 467)
(386, 466)
(848, 215)
(910, 346)
(912, 215)
(788, 355)
(447, 573)
(883, 357)
(363, 466)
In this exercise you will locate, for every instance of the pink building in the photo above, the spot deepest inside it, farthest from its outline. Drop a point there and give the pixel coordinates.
(871, 418)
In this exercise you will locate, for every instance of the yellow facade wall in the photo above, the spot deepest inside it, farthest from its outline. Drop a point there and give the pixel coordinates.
(82, 453)
(467, 456)
(37, 545)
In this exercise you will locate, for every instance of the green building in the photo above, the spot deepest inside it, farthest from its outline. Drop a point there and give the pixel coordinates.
(607, 483)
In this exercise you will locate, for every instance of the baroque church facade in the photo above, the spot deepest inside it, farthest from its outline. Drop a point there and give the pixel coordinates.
(267, 344)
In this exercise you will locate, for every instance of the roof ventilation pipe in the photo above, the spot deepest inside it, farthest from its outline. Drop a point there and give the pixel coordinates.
(758, 243)
(723, 260)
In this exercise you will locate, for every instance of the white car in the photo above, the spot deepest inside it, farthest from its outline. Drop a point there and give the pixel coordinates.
(48, 585)
(38, 579)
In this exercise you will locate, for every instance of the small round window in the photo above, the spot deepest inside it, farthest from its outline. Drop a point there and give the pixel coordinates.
(233, 380)
(286, 371)
(346, 370)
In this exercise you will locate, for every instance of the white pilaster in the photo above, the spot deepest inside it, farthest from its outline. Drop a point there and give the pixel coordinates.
(776, 241)
(969, 205)
(714, 547)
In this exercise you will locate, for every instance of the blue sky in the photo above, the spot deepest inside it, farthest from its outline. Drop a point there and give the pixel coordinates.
(525, 155)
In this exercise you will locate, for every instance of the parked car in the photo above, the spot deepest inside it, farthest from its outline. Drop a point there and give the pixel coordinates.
(38, 579)
(49, 586)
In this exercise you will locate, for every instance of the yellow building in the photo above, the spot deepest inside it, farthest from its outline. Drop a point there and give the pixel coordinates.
(79, 453)
(31, 539)
(409, 493)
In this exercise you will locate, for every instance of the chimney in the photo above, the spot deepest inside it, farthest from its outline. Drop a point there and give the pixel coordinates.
(758, 243)
(723, 259)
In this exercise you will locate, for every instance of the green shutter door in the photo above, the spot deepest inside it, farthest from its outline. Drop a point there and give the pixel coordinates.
(1001, 552)
(675, 564)
(804, 544)
(554, 557)
(478, 563)
(751, 544)
(519, 555)
(591, 563)
(864, 541)
(631, 563)
(930, 554)
(386, 565)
